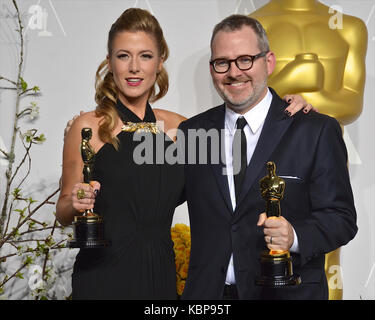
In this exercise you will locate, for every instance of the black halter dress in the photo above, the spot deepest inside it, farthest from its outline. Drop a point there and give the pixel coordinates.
(137, 202)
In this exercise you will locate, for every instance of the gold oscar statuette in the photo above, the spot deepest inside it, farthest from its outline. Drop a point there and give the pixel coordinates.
(88, 228)
(331, 76)
(276, 265)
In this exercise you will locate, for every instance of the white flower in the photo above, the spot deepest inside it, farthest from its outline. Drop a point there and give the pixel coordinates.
(34, 110)
(35, 277)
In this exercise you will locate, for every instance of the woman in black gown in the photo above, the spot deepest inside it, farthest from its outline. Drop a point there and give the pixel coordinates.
(137, 201)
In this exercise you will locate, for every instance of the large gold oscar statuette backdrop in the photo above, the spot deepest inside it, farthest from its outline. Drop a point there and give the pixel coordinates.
(276, 265)
(88, 228)
(320, 55)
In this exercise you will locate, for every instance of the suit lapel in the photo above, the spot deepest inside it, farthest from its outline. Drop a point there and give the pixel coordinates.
(274, 128)
(216, 122)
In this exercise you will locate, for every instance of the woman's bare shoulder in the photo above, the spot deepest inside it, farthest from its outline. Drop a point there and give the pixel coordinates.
(169, 116)
(170, 121)
(87, 118)
(84, 120)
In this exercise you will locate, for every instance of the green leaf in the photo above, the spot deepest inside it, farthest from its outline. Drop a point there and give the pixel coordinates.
(50, 242)
(23, 84)
(29, 135)
(29, 260)
(31, 225)
(21, 211)
(15, 232)
(31, 200)
(16, 192)
(39, 139)
(19, 275)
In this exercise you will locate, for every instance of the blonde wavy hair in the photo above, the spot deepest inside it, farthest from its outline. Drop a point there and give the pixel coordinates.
(133, 19)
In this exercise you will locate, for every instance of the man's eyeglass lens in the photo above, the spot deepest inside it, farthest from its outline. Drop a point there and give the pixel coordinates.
(242, 62)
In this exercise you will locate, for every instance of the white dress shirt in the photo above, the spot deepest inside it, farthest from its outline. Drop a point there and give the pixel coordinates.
(255, 119)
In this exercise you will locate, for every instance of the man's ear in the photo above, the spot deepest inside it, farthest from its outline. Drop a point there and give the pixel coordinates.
(212, 71)
(271, 62)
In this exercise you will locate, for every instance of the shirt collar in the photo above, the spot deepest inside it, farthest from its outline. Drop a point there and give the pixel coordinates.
(254, 117)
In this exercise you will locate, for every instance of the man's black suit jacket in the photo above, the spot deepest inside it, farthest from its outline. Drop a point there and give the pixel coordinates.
(318, 202)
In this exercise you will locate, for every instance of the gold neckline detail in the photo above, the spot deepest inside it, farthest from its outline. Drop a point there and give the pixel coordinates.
(139, 127)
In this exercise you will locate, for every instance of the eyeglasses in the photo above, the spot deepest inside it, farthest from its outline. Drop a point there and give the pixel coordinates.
(242, 62)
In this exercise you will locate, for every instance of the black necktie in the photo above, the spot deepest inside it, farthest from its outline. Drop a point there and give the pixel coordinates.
(239, 156)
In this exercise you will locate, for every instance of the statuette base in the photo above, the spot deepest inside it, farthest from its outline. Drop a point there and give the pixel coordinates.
(88, 233)
(277, 270)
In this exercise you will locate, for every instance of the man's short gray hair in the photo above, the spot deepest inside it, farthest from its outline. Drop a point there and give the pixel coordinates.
(236, 22)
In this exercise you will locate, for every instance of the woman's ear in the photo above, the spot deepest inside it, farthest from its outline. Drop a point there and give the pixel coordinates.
(161, 64)
(109, 63)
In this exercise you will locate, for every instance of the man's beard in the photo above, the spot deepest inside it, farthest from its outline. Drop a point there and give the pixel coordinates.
(247, 102)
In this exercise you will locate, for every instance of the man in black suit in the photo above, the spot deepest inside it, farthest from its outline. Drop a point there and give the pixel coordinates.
(229, 228)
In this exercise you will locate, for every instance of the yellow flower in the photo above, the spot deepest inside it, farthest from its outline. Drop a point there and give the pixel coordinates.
(180, 287)
(184, 271)
(180, 235)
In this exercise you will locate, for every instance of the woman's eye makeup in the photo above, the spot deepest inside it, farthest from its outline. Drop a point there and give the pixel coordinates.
(122, 56)
(145, 56)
